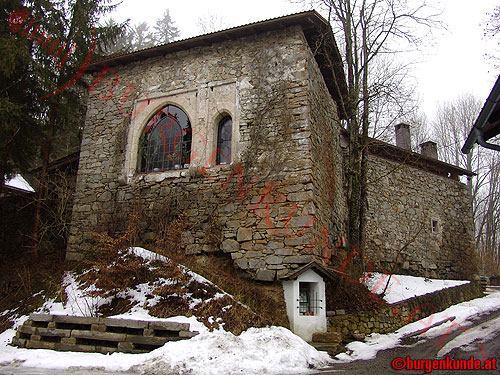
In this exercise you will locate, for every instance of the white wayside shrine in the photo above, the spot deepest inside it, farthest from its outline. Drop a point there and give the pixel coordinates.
(305, 299)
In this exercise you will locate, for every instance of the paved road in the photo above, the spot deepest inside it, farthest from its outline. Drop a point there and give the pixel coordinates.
(488, 347)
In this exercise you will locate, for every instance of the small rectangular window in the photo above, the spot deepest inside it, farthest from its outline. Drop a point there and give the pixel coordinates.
(309, 302)
(435, 226)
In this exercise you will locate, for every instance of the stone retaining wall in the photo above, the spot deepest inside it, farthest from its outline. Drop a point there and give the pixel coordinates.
(389, 318)
(97, 335)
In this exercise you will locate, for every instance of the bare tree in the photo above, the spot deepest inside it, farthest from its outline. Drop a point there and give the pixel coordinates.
(367, 31)
(419, 128)
(210, 23)
(451, 127)
(488, 220)
(392, 97)
(492, 31)
(452, 124)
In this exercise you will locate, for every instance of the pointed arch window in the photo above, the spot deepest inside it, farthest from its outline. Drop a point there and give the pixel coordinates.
(224, 136)
(165, 142)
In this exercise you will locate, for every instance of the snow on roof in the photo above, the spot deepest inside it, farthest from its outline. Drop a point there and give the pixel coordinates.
(18, 182)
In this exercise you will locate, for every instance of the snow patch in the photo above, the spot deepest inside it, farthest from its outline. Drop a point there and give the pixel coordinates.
(463, 313)
(273, 350)
(402, 287)
(466, 341)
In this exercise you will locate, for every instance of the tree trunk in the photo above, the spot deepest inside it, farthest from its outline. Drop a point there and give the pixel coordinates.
(364, 141)
(3, 167)
(42, 188)
(5, 159)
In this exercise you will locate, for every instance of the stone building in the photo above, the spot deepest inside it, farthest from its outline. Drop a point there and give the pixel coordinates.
(239, 131)
(419, 217)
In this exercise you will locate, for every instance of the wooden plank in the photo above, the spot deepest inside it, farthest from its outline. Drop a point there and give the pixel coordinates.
(27, 329)
(75, 319)
(40, 317)
(53, 332)
(169, 326)
(40, 345)
(127, 323)
(160, 341)
(102, 336)
(187, 334)
(75, 348)
(138, 336)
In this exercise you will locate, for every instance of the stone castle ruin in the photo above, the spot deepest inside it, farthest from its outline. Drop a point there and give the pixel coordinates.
(240, 132)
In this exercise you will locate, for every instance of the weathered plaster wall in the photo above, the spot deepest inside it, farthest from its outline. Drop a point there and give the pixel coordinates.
(255, 211)
(403, 202)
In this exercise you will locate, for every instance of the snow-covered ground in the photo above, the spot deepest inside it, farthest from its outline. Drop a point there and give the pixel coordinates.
(402, 287)
(272, 350)
(462, 312)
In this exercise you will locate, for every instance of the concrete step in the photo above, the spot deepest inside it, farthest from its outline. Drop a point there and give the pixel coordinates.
(327, 337)
(331, 348)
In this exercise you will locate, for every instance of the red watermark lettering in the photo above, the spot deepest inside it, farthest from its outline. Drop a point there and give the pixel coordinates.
(128, 91)
(99, 78)
(428, 365)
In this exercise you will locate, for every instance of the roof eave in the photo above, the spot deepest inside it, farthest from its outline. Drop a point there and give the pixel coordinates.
(489, 107)
(308, 19)
(409, 157)
(313, 265)
(312, 23)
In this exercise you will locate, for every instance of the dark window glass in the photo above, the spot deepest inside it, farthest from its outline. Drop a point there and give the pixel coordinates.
(166, 141)
(224, 135)
(309, 302)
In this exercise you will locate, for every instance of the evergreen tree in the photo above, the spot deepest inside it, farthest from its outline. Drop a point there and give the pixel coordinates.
(165, 30)
(18, 91)
(66, 40)
(123, 42)
(141, 37)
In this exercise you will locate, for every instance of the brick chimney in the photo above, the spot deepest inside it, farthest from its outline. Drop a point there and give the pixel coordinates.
(403, 138)
(429, 149)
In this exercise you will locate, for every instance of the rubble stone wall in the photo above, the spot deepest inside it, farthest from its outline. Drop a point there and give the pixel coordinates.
(426, 215)
(258, 208)
(328, 179)
(389, 318)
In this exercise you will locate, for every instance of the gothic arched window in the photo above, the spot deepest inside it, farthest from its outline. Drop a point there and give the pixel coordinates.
(165, 142)
(224, 135)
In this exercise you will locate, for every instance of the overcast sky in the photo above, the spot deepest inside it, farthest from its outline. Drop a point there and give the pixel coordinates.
(454, 64)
